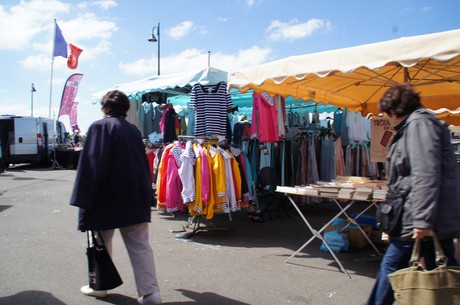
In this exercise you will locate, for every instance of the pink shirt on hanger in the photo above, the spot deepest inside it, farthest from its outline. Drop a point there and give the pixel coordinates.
(264, 119)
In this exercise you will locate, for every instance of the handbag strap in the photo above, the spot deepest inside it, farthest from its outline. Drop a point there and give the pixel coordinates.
(95, 240)
(441, 259)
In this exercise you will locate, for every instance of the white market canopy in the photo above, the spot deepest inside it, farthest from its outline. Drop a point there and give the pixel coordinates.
(172, 84)
(356, 77)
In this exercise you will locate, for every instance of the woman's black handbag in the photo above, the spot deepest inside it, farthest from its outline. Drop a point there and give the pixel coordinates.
(102, 273)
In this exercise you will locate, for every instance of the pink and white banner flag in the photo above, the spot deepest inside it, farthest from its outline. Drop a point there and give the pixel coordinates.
(69, 94)
(73, 117)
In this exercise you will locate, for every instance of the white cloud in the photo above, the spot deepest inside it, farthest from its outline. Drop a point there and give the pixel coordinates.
(197, 59)
(106, 4)
(103, 4)
(250, 2)
(222, 19)
(19, 24)
(243, 59)
(139, 67)
(38, 62)
(408, 9)
(426, 9)
(293, 29)
(180, 30)
(87, 27)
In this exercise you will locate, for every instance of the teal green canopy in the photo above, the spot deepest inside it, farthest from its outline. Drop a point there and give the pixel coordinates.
(177, 86)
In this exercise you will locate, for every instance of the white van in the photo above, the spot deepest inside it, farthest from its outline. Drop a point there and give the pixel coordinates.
(25, 139)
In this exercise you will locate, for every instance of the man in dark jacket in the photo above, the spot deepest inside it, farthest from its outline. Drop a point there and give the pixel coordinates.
(113, 189)
(423, 176)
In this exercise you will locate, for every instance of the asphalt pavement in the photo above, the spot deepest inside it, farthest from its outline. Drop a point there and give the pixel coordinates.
(235, 262)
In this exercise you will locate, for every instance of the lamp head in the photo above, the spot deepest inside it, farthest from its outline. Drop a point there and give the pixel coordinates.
(153, 38)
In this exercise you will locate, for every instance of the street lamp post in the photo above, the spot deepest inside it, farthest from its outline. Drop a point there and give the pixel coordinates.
(32, 90)
(154, 39)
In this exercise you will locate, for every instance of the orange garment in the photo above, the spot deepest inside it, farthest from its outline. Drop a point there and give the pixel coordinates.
(196, 207)
(219, 187)
(162, 177)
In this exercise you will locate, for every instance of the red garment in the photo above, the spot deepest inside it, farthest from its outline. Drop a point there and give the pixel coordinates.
(151, 158)
(264, 119)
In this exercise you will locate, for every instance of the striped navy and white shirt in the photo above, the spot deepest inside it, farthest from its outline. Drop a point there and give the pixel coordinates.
(210, 105)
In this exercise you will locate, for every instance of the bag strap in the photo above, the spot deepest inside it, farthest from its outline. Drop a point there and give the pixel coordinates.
(441, 259)
(88, 238)
(95, 237)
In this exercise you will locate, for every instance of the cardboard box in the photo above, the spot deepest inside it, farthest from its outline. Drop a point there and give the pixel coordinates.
(356, 238)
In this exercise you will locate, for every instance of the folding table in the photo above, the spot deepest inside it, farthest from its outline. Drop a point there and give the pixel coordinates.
(318, 233)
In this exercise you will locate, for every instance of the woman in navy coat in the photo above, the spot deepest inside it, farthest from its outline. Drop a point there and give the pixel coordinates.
(113, 190)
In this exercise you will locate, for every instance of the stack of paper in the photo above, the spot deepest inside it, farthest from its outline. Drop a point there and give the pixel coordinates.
(286, 189)
(346, 193)
(307, 190)
(363, 193)
(327, 190)
(379, 194)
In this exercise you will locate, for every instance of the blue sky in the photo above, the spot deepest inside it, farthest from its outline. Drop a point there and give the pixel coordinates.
(238, 33)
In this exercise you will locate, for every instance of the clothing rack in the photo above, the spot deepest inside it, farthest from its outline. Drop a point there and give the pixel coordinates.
(314, 130)
(203, 139)
(155, 145)
(196, 225)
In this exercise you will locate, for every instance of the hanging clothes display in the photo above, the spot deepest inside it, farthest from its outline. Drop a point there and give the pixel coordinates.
(151, 117)
(241, 130)
(327, 165)
(209, 179)
(186, 173)
(339, 158)
(148, 119)
(206, 176)
(264, 124)
(210, 106)
(169, 124)
(162, 176)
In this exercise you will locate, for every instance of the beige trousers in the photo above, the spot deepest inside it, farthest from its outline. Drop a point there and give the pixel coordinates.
(136, 239)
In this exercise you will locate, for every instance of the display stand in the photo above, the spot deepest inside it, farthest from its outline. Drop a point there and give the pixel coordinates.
(318, 233)
(55, 164)
(196, 225)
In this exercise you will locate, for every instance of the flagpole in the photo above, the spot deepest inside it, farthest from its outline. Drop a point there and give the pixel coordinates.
(52, 65)
(55, 164)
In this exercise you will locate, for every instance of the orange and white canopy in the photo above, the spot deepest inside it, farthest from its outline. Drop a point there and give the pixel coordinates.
(356, 77)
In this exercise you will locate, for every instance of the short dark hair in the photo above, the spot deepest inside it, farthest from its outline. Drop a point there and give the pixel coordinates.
(400, 100)
(115, 103)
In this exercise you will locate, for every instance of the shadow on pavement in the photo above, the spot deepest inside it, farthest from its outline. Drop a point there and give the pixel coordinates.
(288, 233)
(31, 297)
(119, 299)
(206, 298)
(4, 207)
(32, 167)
